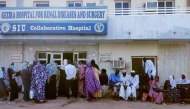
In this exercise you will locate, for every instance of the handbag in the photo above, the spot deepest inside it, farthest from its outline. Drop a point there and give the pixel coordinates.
(31, 94)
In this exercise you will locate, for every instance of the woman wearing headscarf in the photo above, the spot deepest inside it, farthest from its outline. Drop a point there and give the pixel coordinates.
(184, 90)
(39, 77)
(2, 86)
(97, 93)
(6, 81)
(172, 92)
(51, 82)
(62, 81)
(155, 96)
(13, 86)
(91, 82)
(26, 74)
(81, 79)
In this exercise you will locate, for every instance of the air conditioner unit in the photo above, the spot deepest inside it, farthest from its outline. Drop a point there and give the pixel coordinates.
(151, 6)
(118, 64)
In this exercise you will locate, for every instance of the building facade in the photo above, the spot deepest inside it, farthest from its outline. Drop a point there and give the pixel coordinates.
(120, 33)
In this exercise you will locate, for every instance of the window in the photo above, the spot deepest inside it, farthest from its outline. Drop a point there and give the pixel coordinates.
(41, 3)
(162, 5)
(42, 57)
(121, 8)
(74, 4)
(57, 57)
(80, 56)
(90, 4)
(138, 64)
(2, 3)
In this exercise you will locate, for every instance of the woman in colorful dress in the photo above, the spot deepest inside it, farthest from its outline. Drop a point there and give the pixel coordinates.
(91, 82)
(81, 79)
(39, 77)
(156, 97)
(172, 92)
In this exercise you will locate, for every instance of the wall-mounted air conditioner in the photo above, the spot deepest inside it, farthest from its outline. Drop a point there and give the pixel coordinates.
(151, 6)
(118, 64)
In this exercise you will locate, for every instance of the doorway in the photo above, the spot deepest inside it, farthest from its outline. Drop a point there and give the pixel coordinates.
(68, 56)
(138, 64)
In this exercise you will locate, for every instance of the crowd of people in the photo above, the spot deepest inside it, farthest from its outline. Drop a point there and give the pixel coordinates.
(125, 86)
(49, 81)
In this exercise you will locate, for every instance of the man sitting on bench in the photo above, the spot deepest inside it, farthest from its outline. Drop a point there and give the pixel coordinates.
(114, 83)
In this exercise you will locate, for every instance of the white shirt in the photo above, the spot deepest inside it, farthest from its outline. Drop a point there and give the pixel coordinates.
(70, 71)
(124, 79)
(134, 80)
(150, 66)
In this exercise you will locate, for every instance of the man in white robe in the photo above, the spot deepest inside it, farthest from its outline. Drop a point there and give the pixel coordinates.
(125, 91)
(149, 68)
(183, 79)
(133, 83)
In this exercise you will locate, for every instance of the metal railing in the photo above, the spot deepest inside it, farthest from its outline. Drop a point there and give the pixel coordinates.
(148, 11)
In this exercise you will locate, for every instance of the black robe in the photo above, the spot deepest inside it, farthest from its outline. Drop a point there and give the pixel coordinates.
(50, 89)
(13, 85)
(62, 83)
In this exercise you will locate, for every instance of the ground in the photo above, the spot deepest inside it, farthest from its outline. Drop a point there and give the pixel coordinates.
(72, 103)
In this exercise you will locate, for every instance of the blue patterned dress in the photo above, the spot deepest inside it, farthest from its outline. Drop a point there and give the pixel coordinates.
(39, 77)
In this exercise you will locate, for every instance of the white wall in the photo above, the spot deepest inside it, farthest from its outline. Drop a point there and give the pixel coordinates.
(125, 51)
(10, 3)
(5, 50)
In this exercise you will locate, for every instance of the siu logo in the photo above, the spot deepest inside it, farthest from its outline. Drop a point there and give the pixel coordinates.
(5, 27)
(99, 27)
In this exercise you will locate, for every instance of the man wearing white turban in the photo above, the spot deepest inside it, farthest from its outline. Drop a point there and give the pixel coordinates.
(133, 83)
(125, 91)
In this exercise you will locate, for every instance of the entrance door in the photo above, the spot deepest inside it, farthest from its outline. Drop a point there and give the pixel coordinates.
(57, 57)
(138, 64)
(68, 56)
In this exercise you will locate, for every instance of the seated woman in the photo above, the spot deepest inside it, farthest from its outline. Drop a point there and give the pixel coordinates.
(172, 92)
(155, 96)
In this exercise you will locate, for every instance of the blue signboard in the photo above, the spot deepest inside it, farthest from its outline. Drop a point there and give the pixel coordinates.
(53, 20)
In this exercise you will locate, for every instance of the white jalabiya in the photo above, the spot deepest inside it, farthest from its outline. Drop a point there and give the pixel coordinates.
(183, 81)
(172, 81)
(135, 81)
(148, 67)
(122, 92)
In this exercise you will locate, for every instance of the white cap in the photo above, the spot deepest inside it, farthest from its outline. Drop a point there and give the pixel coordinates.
(132, 71)
(123, 71)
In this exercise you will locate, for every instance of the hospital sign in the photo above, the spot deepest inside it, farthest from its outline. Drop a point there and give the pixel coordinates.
(80, 20)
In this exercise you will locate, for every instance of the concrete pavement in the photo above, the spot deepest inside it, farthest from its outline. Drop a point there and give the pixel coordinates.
(72, 103)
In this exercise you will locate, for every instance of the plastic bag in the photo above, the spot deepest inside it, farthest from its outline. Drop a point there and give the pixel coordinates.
(31, 94)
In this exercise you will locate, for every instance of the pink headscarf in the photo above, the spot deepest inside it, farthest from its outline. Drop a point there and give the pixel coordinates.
(64, 64)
